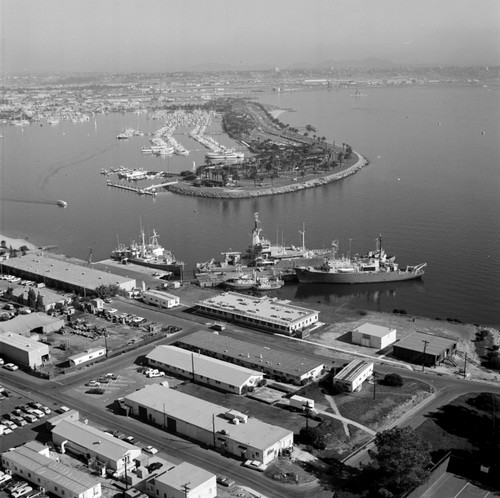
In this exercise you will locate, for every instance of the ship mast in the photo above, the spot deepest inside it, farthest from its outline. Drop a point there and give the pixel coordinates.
(303, 233)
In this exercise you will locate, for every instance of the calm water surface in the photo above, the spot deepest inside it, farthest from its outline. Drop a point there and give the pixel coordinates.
(431, 189)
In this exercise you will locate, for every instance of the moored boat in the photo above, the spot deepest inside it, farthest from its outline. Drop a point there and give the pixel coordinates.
(376, 267)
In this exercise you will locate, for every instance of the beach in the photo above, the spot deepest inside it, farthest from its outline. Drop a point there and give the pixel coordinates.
(17, 243)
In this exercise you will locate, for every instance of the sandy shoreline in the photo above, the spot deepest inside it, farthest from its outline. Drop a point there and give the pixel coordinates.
(18, 243)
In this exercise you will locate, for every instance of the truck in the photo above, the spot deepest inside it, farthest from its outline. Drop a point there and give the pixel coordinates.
(301, 404)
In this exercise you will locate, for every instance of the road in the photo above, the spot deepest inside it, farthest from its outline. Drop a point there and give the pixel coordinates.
(62, 391)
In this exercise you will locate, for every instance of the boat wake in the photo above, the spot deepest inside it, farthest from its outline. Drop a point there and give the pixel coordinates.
(28, 201)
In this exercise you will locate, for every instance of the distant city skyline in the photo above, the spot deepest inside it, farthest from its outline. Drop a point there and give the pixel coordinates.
(166, 35)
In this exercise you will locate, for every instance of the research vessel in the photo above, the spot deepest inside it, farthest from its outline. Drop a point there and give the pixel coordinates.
(375, 267)
(151, 254)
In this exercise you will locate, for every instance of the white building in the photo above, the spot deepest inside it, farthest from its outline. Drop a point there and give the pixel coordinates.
(210, 424)
(183, 481)
(204, 369)
(32, 462)
(354, 374)
(91, 354)
(160, 298)
(23, 350)
(269, 314)
(91, 443)
(373, 336)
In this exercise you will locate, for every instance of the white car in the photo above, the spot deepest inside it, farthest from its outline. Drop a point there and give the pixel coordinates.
(151, 450)
(11, 366)
(93, 383)
(46, 410)
(256, 465)
(21, 492)
(38, 413)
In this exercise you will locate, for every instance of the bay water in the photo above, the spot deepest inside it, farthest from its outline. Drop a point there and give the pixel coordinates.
(432, 189)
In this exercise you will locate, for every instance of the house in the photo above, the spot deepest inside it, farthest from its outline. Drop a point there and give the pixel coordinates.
(373, 336)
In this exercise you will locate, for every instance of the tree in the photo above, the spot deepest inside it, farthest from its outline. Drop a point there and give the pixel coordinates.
(31, 298)
(40, 305)
(400, 462)
(393, 379)
(106, 291)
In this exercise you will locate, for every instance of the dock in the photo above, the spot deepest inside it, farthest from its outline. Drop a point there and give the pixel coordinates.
(160, 185)
(141, 191)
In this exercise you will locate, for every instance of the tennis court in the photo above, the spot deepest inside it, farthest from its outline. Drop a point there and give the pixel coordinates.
(452, 486)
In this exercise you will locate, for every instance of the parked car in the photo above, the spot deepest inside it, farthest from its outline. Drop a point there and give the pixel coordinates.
(29, 417)
(62, 409)
(38, 413)
(93, 383)
(11, 367)
(5, 478)
(22, 491)
(129, 439)
(1, 361)
(255, 464)
(19, 421)
(46, 410)
(154, 466)
(35, 404)
(224, 481)
(151, 450)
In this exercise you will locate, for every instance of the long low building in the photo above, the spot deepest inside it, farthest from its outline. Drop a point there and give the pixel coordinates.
(91, 443)
(279, 365)
(32, 462)
(354, 374)
(22, 350)
(210, 424)
(63, 274)
(268, 314)
(205, 370)
(160, 298)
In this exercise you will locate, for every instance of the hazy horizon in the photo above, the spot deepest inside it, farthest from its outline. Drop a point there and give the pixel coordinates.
(50, 36)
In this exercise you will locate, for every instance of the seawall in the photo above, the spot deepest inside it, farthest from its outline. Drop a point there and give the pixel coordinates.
(220, 193)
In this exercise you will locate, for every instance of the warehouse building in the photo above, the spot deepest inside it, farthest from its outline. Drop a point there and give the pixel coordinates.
(373, 336)
(22, 350)
(268, 314)
(33, 323)
(205, 370)
(424, 349)
(49, 297)
(279, 365)
(160, 298)
(354, 374)
(63, 274)
(33, 463)
(183, 480)
(94, 445)
(209, 424)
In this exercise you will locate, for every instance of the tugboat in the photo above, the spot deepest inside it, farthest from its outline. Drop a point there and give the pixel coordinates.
(375, 267)
(152, 255)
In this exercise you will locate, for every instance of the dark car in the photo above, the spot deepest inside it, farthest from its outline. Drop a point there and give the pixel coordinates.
(224, 481)
(154, 466)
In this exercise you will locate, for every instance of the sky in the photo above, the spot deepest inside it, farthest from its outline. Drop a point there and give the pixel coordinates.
(167, 35)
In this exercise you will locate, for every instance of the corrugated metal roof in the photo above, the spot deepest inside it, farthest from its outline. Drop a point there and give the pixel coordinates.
(26, 323)
(67, 477)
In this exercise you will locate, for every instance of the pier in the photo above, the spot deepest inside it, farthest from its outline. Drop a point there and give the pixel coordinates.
(160, 185)
(141, 191)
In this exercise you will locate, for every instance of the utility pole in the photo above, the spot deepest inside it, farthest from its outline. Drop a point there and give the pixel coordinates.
(185, 488)
(465, 366)
(423, 359)
(374, 384)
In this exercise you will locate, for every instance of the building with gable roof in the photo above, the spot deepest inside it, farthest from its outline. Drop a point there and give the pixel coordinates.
(204, 369)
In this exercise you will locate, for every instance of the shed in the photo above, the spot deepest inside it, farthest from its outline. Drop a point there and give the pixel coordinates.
(354, 374)
(424, 349)
(373, 336)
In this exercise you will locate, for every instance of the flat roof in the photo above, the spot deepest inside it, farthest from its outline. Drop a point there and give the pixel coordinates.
(86, 353)
(208, 367)
(374, 330)
(160, 294)
(269, 309)
(31, 321)
(435, 344)
(89, 437)
(176, 477)
(56, 472)
(50, 296)
(23, 343)
(65, 271)
(203, 414)
(353, 370)
(292, 364)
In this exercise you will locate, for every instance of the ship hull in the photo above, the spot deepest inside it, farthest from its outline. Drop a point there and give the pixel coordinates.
(312, 276)
(175, 268)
